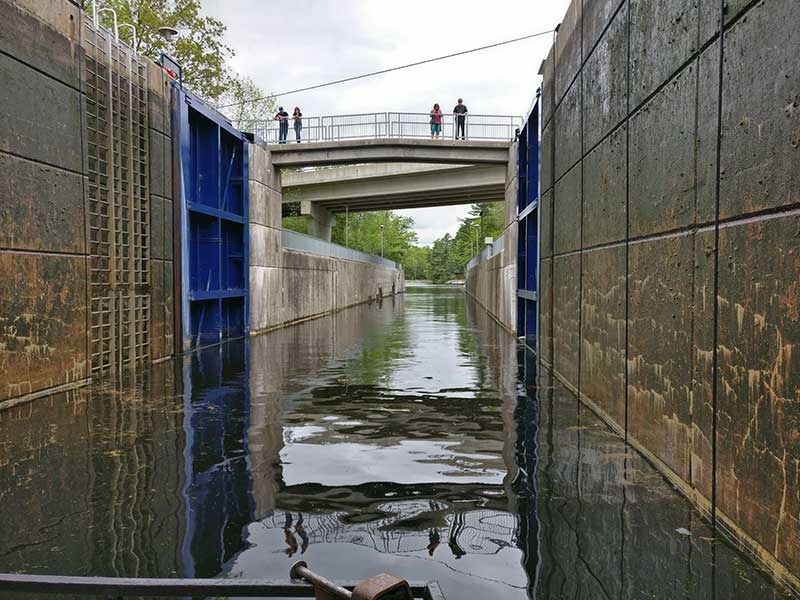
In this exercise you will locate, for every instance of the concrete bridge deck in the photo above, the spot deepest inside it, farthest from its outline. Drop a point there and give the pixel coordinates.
(359, 151)
(391, 186)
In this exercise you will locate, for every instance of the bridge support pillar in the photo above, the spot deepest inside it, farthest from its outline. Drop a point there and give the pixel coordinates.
(321, 222)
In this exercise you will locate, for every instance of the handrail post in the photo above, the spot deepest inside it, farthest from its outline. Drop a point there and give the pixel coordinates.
(113, 14)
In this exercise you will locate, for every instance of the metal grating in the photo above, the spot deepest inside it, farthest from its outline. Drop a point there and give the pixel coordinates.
(117, 200)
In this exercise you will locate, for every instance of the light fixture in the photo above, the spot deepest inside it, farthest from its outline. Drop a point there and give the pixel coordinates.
(170, 34)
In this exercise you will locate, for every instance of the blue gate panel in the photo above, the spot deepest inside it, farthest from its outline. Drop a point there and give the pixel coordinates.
(532, 243)
(531, 310)
(204, 169)
(528, 228)
(204, 243)
(206, 322)
(233, 317)
(214, 224)
(233, 174)
(233, 275)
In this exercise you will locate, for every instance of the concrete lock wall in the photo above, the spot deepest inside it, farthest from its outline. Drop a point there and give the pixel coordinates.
(652, 207)
(47, 253)
(288, 286)
(59, 322)
(493, 283)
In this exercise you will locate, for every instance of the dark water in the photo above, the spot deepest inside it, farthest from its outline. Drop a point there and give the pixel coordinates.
(409, 437)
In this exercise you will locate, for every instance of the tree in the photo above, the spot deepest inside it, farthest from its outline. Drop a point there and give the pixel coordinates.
(371, 231)
(199, 50)
(442, 266)
(240, 89)
(450, 255)
(417, 263)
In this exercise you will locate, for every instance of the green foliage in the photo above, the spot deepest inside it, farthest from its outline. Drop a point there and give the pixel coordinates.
(450, 255)
(369, 231)
(199, 49)
(443, 263)
(417, 263)
(296, 223)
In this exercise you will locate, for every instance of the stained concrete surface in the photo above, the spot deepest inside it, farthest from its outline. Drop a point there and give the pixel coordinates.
(605, 75)
(42, 322)
(44, 173)
(664, 217)
(603, 330)
(604, 191)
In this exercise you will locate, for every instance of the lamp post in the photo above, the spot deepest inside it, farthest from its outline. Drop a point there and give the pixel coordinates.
(382, 226)
(475, 229)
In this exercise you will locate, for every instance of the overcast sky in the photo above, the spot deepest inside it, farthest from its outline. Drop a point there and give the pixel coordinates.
(289, 45)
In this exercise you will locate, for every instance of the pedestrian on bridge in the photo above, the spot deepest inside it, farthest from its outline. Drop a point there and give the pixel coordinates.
(283, 124)
(460, 112)
(298, 122)
(436, 121)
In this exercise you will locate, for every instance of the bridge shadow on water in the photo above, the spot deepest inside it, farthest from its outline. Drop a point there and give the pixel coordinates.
(413, 436)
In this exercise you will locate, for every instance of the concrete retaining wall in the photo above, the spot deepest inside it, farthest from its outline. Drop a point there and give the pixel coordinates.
(640, 179)
(48, 259)
(493, 283)
(45, 249)
(287, 286)
(162, 325)
(43, 266)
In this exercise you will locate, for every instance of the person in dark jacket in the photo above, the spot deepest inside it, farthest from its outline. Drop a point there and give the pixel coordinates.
(283, 124)
(460, 112)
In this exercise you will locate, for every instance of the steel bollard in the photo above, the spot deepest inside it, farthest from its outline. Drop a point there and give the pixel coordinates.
(380, 587)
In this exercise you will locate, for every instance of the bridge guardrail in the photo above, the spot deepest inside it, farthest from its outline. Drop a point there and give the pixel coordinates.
(292, 240)
(330, 128)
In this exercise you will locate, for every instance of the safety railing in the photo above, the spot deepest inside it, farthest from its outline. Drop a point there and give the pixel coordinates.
(489, 250)
(293, 240)
(307, 585)
(332, 128)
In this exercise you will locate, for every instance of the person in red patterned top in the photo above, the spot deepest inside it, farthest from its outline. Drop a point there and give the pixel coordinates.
(436, 121)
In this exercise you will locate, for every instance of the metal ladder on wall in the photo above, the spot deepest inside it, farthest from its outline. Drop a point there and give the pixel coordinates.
(117, 197)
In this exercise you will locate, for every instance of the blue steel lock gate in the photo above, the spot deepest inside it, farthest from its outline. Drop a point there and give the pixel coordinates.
(528, 227)
(213, 216)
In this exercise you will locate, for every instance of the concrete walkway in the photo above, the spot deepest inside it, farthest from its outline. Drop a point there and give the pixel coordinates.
(451, 152)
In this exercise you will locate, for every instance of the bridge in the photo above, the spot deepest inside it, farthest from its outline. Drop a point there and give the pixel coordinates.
(387, 161)
(388, 174)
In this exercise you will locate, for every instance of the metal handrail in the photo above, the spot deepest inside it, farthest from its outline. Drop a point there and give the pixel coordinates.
(292, 240)
(384, 125)
(118, 587)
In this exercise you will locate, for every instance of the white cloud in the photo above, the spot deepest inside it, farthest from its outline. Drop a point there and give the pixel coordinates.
(289, 45)
(433, 223)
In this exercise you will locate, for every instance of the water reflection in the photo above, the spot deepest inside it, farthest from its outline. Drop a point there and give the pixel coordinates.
(413, 436)
(218, 484)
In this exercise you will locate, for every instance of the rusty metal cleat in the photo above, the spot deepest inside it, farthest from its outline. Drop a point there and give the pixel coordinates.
(383, 587)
